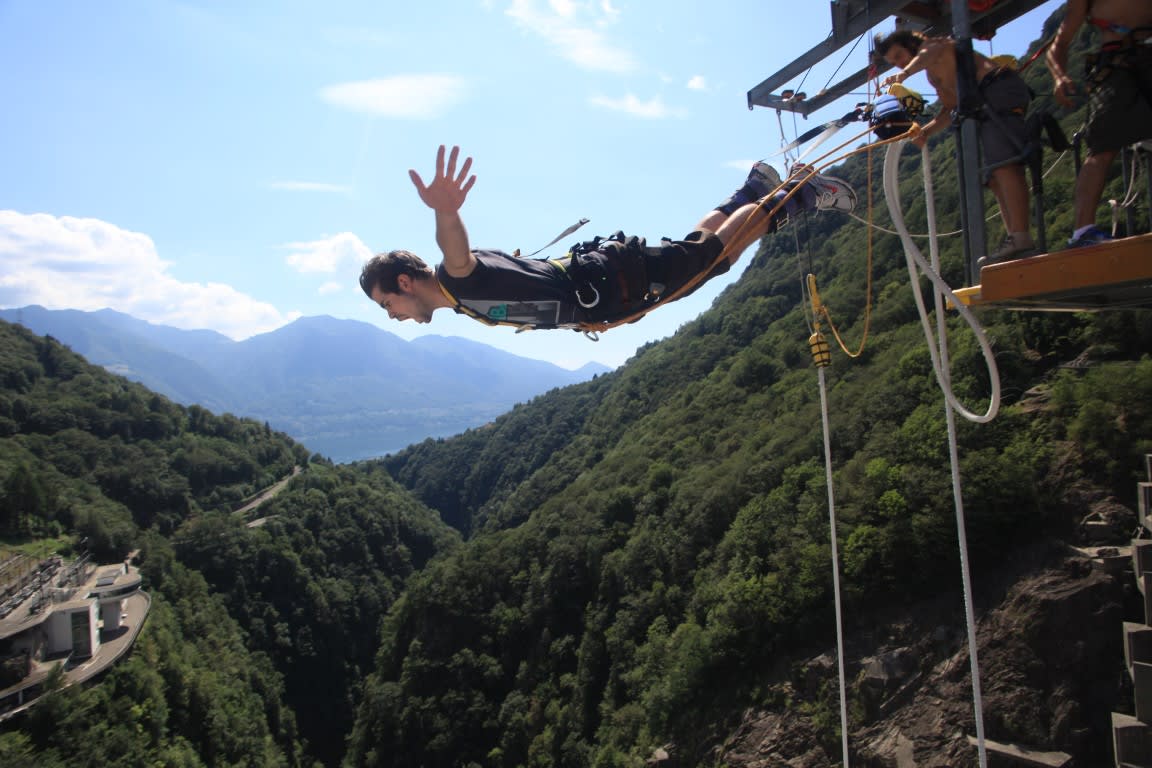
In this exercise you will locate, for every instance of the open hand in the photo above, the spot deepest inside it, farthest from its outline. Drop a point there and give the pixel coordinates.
(448, 189)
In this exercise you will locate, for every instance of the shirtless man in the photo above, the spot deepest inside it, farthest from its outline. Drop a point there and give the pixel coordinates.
(1119, 88)
(1002, 131)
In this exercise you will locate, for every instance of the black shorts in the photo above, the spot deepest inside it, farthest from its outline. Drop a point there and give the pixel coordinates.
(1120, 97)
(1003, 133)
(635, 277)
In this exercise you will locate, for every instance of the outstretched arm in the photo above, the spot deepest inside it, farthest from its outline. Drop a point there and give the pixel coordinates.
(444, 195)
(1057, 54)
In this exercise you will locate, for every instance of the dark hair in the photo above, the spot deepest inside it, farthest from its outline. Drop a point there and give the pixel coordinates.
(381, 271)
(908, 38)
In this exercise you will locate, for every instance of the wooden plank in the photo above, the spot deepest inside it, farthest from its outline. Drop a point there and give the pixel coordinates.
(1075, 274)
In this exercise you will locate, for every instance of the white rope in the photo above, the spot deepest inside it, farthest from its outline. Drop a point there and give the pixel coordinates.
(887, 231)
(941, 365)
(924, 236)
(1130, 195)
(813, 324)
(916, 262)
(835, 565)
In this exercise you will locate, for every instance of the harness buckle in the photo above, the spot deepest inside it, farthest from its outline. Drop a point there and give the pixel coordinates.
(595, 296)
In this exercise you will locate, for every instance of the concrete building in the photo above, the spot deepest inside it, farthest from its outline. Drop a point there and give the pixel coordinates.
(78, 616)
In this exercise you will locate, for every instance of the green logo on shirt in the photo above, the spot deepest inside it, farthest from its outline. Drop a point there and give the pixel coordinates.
(499, 313)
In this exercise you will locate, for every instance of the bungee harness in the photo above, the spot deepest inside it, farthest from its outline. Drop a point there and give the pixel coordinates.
(617, 279)
(1133, 52)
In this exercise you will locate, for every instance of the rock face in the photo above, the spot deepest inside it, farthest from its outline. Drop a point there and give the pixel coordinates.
(1051, 672)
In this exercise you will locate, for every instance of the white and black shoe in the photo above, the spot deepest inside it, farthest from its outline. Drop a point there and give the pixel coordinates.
(824, 193)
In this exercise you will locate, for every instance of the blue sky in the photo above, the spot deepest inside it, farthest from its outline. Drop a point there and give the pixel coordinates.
(230, 165)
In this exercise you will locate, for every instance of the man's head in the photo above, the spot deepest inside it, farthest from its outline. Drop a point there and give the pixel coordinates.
(899, 47)
(399, 281)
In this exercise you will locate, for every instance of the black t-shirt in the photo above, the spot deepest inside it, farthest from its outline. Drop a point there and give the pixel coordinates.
(615, 280)
(508, 289)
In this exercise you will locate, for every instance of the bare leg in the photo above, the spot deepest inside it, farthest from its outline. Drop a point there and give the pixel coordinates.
(1011, 190)
(1090, 186)
(743, 227)
(713, 220)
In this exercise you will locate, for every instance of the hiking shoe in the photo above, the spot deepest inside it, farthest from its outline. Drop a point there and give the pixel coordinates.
(824, 193)
(1010, 249)
(1093, 236)
(763, 179)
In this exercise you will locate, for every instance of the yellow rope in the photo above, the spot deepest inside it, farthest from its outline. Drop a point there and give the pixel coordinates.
(819, 308)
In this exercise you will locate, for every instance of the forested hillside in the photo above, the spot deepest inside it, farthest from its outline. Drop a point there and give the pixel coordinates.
(630, 564)
(257, 636)
(328, 383)
(649, 553)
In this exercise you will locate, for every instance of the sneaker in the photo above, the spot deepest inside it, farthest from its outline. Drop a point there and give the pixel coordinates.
(763, 179)
(1093, 236)
(1009, 250)
(826, 193)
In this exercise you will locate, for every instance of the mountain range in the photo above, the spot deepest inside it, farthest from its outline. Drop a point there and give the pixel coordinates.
(345, 389)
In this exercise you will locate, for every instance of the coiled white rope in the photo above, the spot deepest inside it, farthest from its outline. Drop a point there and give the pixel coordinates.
(938, 349)
(917, 262)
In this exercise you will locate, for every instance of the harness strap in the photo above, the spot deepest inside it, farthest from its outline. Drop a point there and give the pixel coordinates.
(466, 310)
(1110, 26)
(1126, 55)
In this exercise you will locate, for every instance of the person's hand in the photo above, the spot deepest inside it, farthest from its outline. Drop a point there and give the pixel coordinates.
(1065, 91)
(899, 77)
(918, 136)
(448, 189)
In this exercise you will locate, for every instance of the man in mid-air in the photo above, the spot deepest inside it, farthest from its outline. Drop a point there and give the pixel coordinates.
(601, 282)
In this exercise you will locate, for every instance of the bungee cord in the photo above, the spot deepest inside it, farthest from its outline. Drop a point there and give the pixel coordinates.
(940, 363)
(938, 352)
(916, 261)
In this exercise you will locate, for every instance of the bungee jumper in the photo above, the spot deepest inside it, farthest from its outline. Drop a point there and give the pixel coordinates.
(598, 284)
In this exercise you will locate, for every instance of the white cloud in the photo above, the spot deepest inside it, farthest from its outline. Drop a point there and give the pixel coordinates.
(572, 30)
(88, 264)
(418, 97)
(329, 254)
(563, 8)
(653, 109)
(330, 287)
(697, 83)
(310, 186)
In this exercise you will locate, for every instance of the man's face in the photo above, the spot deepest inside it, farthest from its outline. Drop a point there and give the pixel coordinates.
(898, 56)
(405, 305)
